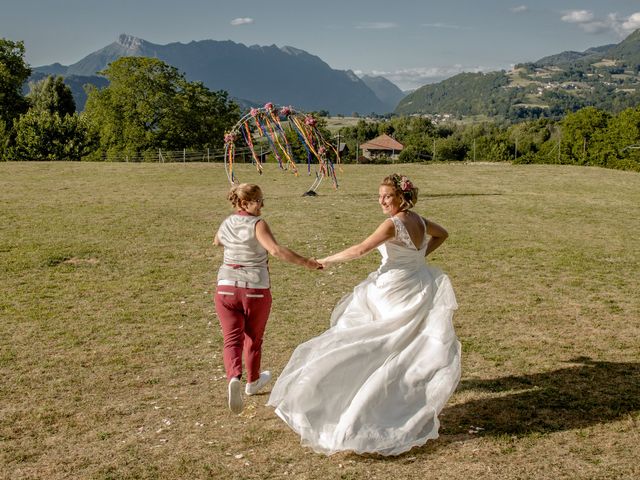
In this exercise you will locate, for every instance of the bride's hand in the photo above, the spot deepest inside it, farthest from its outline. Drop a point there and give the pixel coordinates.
(324, 262)
(314, 264)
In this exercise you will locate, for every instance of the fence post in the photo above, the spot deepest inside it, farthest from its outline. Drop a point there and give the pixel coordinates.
(184, 155)
(559, 147)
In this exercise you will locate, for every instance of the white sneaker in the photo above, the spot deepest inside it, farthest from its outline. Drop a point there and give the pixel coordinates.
(254, 387)
(235, 395)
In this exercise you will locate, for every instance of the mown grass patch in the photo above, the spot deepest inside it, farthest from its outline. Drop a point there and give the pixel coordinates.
(110, 353)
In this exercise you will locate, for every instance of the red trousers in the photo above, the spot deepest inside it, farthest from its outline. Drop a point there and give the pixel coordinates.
(243, 314)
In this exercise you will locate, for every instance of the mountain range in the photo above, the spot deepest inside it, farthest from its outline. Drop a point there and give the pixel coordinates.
(253, 75)
(606, 77)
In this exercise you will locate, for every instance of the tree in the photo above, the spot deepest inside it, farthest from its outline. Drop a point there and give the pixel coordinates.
(13, 73)
(51, 95)
(149, 104)
(5, 137)
(451, 148)
(617, 146)
(527, 137)
(50, 130)
(577, 130)
(41, 135)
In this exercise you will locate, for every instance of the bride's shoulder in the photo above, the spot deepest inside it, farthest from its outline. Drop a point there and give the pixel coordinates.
(388, 226)
(391, 222)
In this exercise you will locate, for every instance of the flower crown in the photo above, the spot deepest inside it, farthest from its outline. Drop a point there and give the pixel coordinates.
(403, 183)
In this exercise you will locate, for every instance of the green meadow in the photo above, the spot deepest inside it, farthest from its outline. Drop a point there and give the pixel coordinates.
(110, 350)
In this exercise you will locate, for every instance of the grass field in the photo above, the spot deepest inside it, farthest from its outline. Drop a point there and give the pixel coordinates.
(110, 351)
(336, 123)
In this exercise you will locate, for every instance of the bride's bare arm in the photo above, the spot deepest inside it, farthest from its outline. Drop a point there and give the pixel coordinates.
(384, 232)
(438, 235)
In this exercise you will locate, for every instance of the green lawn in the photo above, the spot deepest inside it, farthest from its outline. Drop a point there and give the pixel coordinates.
(110, 351)
(336, 123)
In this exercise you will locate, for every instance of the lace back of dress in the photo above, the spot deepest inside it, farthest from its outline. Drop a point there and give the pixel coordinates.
(402, 235)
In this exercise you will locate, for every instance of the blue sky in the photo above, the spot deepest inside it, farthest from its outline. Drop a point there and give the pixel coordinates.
(411, 42)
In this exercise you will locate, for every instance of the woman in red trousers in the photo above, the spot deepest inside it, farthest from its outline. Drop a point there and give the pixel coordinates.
(243, 295)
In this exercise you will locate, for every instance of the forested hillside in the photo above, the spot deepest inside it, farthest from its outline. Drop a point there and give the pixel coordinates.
(606, 77)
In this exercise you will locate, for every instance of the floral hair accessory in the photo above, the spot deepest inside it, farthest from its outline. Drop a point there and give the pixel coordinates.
(405, 184)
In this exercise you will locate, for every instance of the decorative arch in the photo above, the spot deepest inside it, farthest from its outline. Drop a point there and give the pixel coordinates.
(273, 122)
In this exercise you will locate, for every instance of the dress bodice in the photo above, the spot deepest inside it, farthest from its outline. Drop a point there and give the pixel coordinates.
(400, 252)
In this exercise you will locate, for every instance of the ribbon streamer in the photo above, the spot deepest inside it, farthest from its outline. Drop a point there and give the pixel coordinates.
(268, 124)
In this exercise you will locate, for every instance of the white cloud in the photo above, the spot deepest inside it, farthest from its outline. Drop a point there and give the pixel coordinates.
(241, 21)
(519, 9)
(441, 25)
(612, 23)
(376, 25)
(632, 23)
(412, 78)
(578, 16)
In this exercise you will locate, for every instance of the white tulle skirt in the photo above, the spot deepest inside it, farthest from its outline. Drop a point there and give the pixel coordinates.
(376, 381)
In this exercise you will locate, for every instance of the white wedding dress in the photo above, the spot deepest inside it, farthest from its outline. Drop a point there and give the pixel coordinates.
(378, 378)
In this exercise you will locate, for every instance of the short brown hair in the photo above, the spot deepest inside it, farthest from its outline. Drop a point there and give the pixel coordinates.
(244, 191)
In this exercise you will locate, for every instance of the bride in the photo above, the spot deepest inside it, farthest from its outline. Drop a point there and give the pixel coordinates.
(376, 381)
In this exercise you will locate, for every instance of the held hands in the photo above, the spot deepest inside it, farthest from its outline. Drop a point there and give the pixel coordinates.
(313, 264)
(325, 262)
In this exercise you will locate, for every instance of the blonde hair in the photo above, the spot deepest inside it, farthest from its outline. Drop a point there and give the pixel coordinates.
(243, 191)
(403, 188)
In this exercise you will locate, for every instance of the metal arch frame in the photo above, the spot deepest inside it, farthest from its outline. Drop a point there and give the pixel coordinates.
(236, 131)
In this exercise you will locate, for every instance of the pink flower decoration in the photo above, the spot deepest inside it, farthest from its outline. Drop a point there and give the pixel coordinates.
(229, 137)
(322, 150)
(268, 106)
(286, 111)
(309, 120)
(254, 112)
(405, 184)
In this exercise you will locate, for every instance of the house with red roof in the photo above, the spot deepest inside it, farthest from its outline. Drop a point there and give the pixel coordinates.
(382, 146)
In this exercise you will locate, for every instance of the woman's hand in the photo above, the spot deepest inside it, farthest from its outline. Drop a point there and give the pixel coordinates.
(325, 262)
(314, 264)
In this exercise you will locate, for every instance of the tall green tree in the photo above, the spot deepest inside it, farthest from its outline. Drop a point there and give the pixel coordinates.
(149, 105)
(13, 73)
(50, 129)
(202, 117)
(51, 95)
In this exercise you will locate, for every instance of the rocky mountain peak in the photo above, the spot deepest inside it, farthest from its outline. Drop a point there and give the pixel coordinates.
(129, 42)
